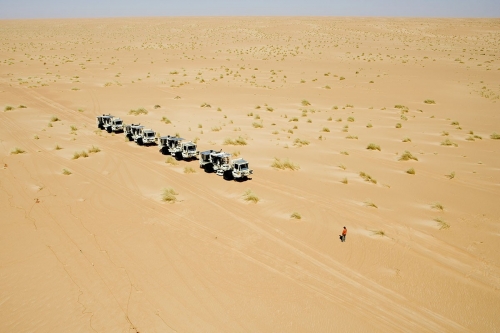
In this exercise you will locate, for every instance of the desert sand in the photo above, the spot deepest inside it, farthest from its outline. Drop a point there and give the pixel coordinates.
(88, 245)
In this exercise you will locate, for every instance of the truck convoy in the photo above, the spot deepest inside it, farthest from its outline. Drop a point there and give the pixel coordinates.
(218, 162)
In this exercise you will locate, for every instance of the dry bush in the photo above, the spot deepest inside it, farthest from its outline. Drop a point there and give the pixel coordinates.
(138, 111)
(82, 153)
(17, 150)
(189, 170)
(166, 120)
(170, 160)
(169, 195)
(299, 142)
(442, 224)
(296, 216)
(240, 141)
(94, 149)
(406, 156)
(66, 172)
(250, 196)
(367, 177)
(285, 164)
(410, 171)
(370, 204)
(448, 142)
(373, 146)
(495, 136)
(429, 101)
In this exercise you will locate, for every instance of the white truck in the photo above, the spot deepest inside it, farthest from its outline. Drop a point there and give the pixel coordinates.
(188, 150)
(221, 163)
(131, 130)
(239, 169)
(113, 124)
(145, 136)
(102, 120)
(206, 161)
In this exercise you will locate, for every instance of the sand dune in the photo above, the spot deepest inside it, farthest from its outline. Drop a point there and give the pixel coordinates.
(87, 244)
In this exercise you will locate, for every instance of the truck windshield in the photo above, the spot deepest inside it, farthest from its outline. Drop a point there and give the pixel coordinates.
(118, 122)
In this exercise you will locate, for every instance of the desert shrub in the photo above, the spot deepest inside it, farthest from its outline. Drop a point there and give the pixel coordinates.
(58, 147)
(354, 137)
(8, 108)
(406, 140)
(167, 121)
(250, 196)
(169, 195)
(138, 111)
(378, 233)
(54, 119)
(295, 216)
(441, 223)
(369, 125)
(157, 106)
(437, 206)
(94, 149)
(398, 125)
(342, 166)
(22, 106)
(455, 123)
(240, 141)
(367, 177)
(325, 129)
(410, 171)
(451, 175)
(170, 160)
(82, 153)
(444, 133)
(370, 204)
(448, 142)
(406, 156)
(284, 164)
(305, 102)
(205, 105)
(293, 119)
(344, 153)
(17, 150)
(270, 109)
(189, 170)
(299, 142)
(373, 146)
(350, 119)
(429, 101)
(344, 181)
(73, 128)
(495, 136)
(257, 125)
(66, 172)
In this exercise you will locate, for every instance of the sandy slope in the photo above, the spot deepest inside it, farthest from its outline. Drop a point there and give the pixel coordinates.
(97, 250)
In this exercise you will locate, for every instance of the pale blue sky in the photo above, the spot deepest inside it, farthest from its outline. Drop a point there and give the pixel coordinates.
(13, 9)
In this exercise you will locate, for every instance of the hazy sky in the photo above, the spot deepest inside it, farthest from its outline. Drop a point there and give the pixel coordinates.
(11, 9)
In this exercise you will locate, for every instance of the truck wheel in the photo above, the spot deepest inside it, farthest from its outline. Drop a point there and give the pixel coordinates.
(139, 142)
(109, 129)
(178, 156)
(228, 175)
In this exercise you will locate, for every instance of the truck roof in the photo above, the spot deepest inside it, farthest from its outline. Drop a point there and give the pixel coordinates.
(240, 161)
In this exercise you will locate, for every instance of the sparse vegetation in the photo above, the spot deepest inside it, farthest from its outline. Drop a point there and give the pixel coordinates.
(138, 111)
(66, 172)
(205, 105)
(367, 177)
(17, 150)
(170, 160)
(305, 102)
(429, 101)
(54, 119)
(285, 164)
(378, 233)
(373, 146)
(344, 153)
(169, 195)
(370, 204)
(437, 206)
(250, 196)
(441, 223)
(58, 147)
(94, 150)
(325, 129)
(257, 125)
(398, 125)
(451, 175)
(448, 142)
(73, 128)
(166, 120)
(495, 136)
(406, 156)
(296, 216)
(189, 170)
(8, 108)
(350, 119)
(369, 125)
(299, 142)
(410, 171)
(240, 141)
(354, 137)
(82, 153)
(406, 140)
(344, 181)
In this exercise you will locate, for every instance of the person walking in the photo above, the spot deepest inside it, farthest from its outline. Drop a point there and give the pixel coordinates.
(344, 233)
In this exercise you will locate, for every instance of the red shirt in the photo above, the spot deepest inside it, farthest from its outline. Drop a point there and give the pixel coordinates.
(344, 232)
